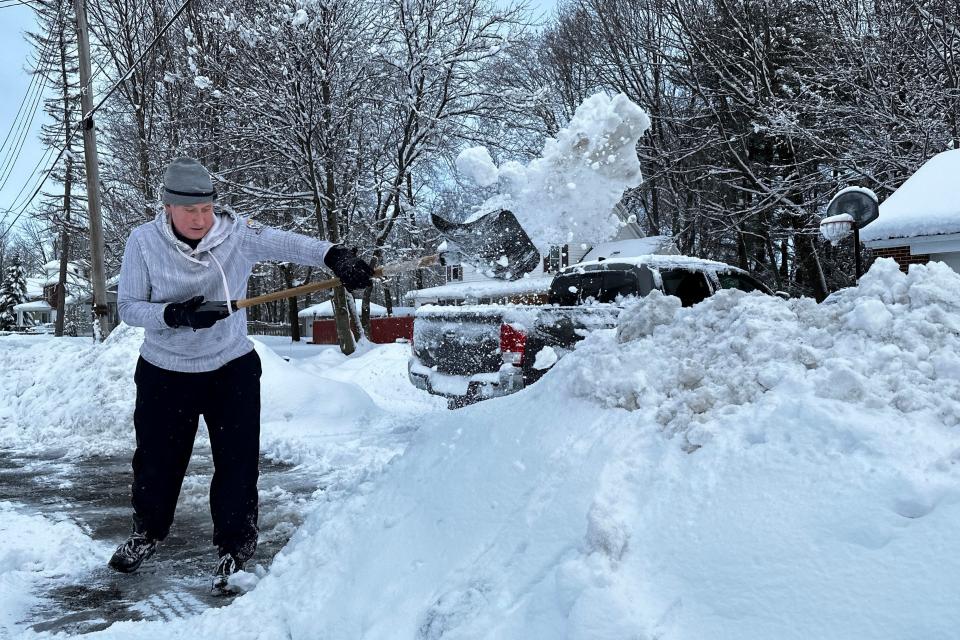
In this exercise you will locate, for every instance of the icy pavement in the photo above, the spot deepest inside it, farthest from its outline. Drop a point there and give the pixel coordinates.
(94, 493)
(329, 424)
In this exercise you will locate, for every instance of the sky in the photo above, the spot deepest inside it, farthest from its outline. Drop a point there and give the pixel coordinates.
(15, 77)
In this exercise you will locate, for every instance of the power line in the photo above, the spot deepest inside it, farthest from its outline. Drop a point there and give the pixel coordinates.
(5, 4)
(43, 53)
(13, 152)
(89, 115)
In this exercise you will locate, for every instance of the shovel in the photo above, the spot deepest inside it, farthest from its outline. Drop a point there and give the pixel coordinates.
(494, 243)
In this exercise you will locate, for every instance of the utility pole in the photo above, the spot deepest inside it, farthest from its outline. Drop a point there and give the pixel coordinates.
(100, 307)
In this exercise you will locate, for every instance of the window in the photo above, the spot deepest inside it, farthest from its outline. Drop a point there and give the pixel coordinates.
(690, 286)
(599, 286)
(454, 273)
(558, 258)
(741, 281)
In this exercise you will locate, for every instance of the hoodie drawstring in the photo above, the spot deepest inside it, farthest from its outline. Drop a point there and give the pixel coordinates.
(167, 229)
(226, 287)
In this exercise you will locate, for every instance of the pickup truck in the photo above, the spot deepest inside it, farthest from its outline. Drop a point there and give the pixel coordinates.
(471, 353)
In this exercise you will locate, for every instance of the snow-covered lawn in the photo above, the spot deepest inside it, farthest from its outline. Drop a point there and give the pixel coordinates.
(746, 468)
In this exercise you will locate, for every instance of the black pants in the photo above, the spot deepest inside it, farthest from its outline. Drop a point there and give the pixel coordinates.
(169, 405)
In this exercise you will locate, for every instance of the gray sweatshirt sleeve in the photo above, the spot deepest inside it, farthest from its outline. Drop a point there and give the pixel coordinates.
(133, 293)
(266, 243)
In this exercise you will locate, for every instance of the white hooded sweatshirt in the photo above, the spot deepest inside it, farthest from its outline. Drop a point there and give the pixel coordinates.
(159, 269)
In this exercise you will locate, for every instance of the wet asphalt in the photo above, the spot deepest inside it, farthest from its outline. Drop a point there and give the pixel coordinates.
(94, 492)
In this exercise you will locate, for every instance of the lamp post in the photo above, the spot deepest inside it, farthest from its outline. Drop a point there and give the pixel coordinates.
(850, 210)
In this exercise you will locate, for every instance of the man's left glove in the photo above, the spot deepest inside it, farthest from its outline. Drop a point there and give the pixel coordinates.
(353, 272)
(194, 313)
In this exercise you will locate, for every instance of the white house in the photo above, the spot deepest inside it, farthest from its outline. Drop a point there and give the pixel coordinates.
(41, 295)
(920, 221)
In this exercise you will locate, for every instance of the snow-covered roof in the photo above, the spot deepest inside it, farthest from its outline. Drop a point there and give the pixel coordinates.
(36, 305)
(35, 286)
(484, 289)
(73, 280)
(325, 310)
(927, 204)
(634, 247)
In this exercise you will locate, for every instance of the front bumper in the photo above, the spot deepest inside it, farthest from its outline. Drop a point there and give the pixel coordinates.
(480, 386)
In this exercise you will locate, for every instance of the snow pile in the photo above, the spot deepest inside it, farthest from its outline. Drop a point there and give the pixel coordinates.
(572, 189)
(70, 394)
(34, 550)
(86, 408)
(891, 345)
(746, 468)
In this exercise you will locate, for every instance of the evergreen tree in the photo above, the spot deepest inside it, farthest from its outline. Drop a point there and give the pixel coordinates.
(13, 291)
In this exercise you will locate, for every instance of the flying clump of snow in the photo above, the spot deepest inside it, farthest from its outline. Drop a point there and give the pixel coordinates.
(546, 358)
(300, 18)
(475, 163)
(581, 175)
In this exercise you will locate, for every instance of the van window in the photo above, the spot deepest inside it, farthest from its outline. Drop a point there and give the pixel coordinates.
(600, 286)
(737, 281)
(690, 286)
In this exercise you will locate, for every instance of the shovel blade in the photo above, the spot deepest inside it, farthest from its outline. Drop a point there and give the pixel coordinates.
(494, 243)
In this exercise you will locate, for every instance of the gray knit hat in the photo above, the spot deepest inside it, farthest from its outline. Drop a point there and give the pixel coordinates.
(186, 181)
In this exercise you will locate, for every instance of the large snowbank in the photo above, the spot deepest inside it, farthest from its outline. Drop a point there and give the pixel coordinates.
(76, 397)
(928, 203)
(35, 550)
(746, 468)
(572, 188)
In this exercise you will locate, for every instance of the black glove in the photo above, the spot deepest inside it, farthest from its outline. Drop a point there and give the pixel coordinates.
(353, 272)
(194, 313)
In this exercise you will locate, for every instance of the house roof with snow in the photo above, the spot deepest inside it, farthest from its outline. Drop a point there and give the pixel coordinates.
(927, 204)
(325, 310)
(33, 305)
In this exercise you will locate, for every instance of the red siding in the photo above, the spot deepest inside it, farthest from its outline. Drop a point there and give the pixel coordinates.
(384, 330)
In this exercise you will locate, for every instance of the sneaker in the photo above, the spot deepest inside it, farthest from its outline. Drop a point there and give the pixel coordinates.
(130, 555)
(227, 566)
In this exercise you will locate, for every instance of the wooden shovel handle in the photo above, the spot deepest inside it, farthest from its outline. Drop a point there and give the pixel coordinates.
(302, 290)
(333, 283)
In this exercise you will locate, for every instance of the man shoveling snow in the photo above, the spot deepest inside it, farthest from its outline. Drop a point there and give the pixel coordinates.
(196, 359)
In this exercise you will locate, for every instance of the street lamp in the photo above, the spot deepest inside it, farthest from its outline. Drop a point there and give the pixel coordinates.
(851, 209)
